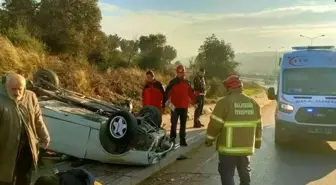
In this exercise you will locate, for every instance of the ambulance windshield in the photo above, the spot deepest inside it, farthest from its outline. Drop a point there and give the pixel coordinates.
(310, 81)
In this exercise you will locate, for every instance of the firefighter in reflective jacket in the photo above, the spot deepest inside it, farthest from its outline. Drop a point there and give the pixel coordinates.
(236, 124)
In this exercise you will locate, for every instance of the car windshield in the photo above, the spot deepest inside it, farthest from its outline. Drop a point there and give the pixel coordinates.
(310, 81)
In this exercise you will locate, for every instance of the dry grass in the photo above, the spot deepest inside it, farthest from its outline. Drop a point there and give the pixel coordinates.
(17, 59)
(114, 85)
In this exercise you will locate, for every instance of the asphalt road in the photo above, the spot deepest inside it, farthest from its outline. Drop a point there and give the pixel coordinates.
(300, 163)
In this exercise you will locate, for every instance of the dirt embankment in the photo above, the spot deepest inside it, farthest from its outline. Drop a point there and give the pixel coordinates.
(115, 85)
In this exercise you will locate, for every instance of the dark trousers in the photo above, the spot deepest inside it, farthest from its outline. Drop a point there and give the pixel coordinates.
(199, 109)
(227, 166)
(23, 167)
(183, 115)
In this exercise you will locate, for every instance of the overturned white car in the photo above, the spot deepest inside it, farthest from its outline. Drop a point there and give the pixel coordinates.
(87, 128)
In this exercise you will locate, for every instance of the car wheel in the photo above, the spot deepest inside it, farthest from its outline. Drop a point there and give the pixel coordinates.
(122, 127)
(49, 76)
(152, 113)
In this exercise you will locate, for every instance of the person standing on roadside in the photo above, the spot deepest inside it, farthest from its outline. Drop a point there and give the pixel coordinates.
(153, 92)
(236, 124)
(22, 130)
(179, 92)
(199, 89)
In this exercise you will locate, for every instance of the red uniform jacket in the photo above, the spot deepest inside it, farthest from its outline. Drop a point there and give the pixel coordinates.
(180, 92)
(153, 94)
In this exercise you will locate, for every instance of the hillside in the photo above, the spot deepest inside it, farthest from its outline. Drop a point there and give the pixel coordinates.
(113, 85)
(251, 63)
(258, 62)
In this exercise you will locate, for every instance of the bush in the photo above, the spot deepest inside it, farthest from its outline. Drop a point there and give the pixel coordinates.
(19, 60)
(20, 37)
(216, 88)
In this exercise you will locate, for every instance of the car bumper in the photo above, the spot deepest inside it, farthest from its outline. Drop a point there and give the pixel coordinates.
(327, 133)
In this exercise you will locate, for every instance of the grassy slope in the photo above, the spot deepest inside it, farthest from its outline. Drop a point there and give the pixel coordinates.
(114, 85)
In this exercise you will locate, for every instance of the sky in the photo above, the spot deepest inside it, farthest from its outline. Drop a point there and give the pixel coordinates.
(248, 25)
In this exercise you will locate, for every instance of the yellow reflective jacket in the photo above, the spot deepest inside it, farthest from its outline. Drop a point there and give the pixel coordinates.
(236, 124)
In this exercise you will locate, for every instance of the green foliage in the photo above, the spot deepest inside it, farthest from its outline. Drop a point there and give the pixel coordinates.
(217, 57)
(71, 29)
(69, 26)
(216, 88)
(154, 53)
(21, 37)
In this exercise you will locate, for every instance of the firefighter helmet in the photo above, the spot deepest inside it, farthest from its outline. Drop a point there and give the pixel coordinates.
(180, 69)
(233, 81)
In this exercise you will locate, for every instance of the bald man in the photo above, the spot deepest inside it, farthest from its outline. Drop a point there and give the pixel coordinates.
(22, 131)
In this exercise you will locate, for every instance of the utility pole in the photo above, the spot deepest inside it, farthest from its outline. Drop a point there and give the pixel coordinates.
(312, 38)
(276, 57)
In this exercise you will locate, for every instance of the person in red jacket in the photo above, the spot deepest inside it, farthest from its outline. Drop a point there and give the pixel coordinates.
(179, 92)
(153, 92)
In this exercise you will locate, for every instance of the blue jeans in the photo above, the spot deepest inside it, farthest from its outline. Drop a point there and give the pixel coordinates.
(227, 166)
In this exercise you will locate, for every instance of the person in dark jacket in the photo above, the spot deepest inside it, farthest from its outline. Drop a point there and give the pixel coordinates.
(199, 89)
(70, 177)
(179, 92)
(153, 92)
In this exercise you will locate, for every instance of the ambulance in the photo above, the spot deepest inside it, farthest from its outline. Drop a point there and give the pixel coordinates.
(305, 94)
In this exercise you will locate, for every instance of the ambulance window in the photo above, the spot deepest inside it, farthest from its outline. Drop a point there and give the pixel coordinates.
(309, 81)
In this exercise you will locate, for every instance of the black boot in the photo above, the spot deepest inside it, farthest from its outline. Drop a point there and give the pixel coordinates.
(183, 142)
(172, 140)
(198, 124)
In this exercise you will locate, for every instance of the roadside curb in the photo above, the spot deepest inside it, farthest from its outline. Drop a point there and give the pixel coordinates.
(134, 178)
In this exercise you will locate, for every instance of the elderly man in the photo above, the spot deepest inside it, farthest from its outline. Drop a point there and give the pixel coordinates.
(22, 131)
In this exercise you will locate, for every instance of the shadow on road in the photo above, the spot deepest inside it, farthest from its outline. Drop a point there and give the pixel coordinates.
(301, 162)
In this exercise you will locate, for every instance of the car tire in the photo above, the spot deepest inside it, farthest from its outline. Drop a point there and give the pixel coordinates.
(49, 76)
(153, 113)
(122, 127)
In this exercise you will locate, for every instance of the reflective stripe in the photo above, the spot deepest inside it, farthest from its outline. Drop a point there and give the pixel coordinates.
(216, 118)
(236, 150)
(241, 123)
(210, 137)
(258, 139)
(229, 137)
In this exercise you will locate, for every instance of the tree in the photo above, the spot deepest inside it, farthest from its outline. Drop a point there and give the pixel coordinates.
(129, 48)
(113, 42)
(217, 57)
(178, 63)
(69, 26)
(154, 53)
(21, 12)
(168, 54)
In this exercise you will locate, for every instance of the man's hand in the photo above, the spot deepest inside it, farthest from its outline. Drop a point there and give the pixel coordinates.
(45, 143)
(208, 142)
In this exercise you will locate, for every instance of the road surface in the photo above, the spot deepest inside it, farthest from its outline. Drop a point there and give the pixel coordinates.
(301, 163)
